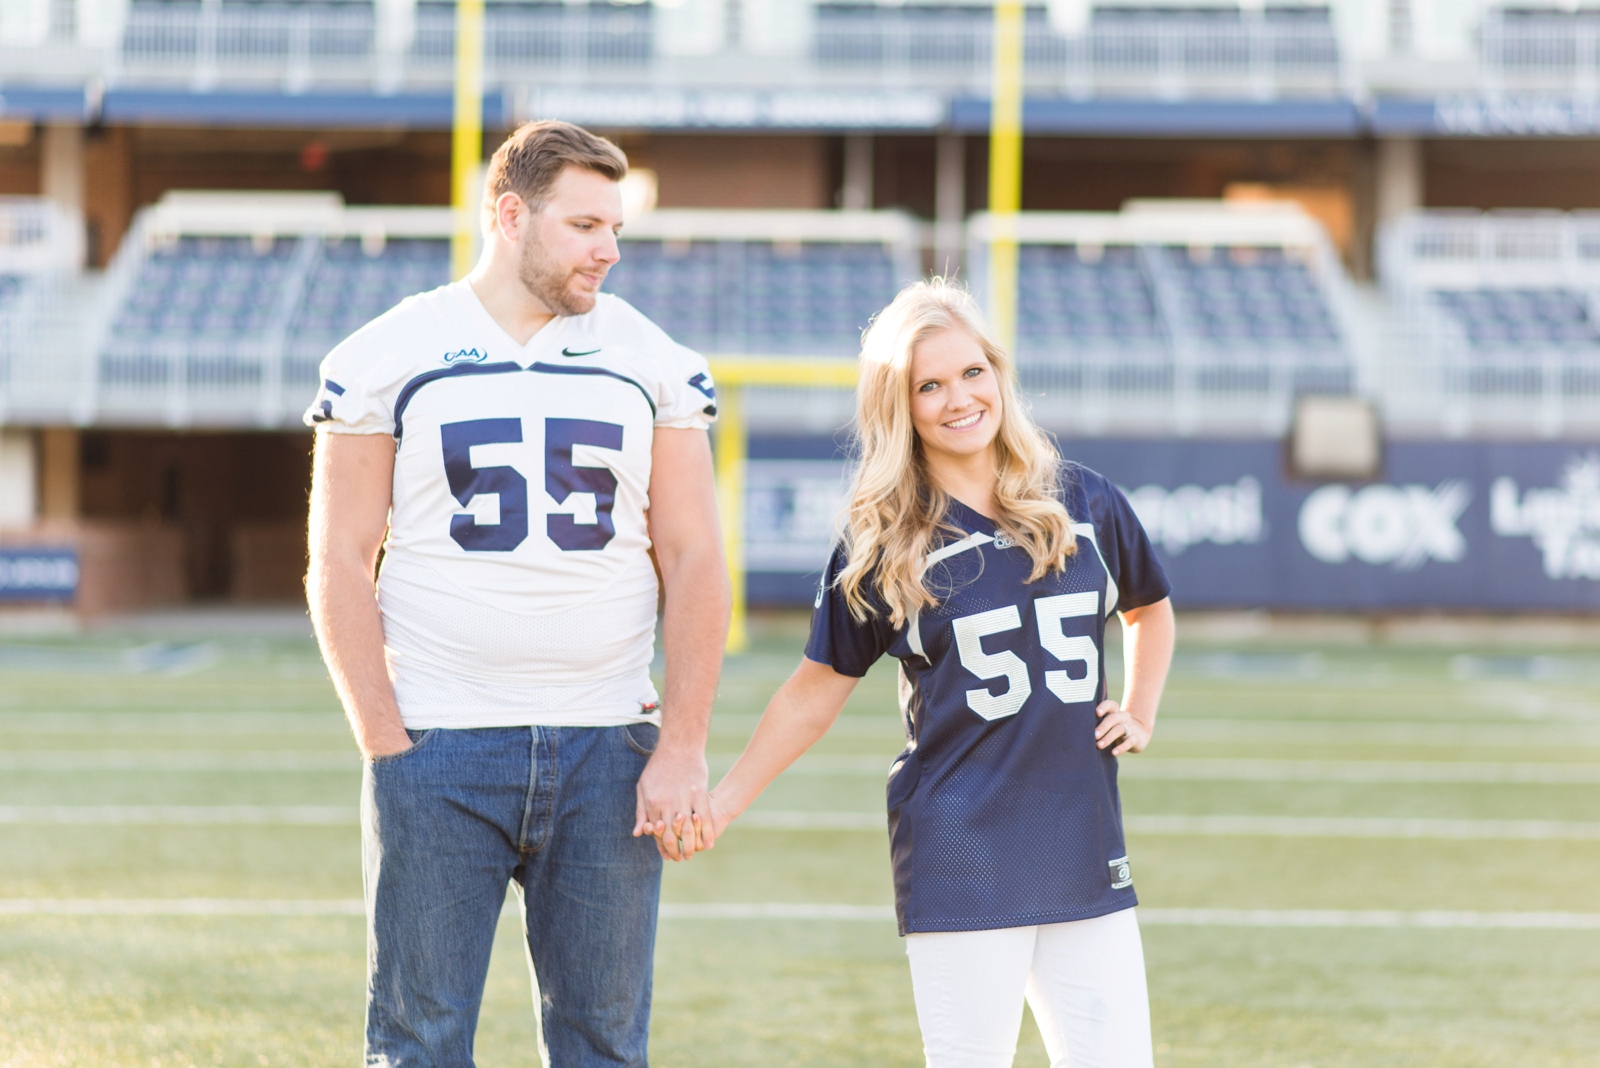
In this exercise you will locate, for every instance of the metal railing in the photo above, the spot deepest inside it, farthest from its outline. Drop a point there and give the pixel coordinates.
(1545, 49)
(1248, 52)
(570, 39)
(209, 44)
(1437, 374)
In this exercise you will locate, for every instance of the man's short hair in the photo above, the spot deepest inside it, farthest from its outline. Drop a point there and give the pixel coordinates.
(533, 157)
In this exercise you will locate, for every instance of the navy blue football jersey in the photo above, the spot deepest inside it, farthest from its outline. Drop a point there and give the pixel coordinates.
(1002, 810)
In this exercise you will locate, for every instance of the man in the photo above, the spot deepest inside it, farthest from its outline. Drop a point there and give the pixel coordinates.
(528, 443)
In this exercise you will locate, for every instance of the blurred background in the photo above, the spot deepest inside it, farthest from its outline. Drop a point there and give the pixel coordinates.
(1315, 283)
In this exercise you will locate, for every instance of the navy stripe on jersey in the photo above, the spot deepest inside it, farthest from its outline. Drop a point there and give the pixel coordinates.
(1002, 810)
(333, 387)
(409, 390)
(557, 369)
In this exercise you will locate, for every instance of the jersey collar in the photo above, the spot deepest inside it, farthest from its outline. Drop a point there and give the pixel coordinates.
(547, 340)
(969, 519)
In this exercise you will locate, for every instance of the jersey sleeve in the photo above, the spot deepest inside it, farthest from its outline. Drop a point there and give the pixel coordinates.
(1129, 555)
(688, 396)
(348, 401)
(838, 639)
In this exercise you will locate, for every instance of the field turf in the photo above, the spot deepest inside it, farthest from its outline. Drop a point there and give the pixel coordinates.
(1350, 854)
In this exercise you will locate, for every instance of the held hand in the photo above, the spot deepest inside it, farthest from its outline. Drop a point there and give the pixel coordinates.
(721, 816)
(673, 805)
(1118, 728)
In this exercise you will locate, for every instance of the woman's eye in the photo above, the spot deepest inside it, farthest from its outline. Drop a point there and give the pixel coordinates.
(927, 387)
(973, 372)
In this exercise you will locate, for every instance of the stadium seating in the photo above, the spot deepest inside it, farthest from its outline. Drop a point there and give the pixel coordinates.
(353, 282)
(1241, 306)
(220, 306)
(1500, 315)
(1521, 318)
(769, 283)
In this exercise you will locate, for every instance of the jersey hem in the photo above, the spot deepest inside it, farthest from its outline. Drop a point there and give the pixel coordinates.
(333, 426)
(1145, 604)
(1032, 919)
(436, 720)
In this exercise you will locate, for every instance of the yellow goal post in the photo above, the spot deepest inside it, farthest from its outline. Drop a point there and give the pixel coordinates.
(733, 375)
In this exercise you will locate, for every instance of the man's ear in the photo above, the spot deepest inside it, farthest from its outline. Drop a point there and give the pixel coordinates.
(511, 214)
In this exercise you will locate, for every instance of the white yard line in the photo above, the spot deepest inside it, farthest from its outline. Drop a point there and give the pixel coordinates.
(163, 760)
(1176, 825)
(1262, 770)
(1206, 826)
(1390, 771)
(776, 911)
(179, 814)
(1237, 826)
(189, 723)
(1179, 769)
(1154, 917)
(1361, 827)
(1541, 735)
(1504, 921)
(180, 906)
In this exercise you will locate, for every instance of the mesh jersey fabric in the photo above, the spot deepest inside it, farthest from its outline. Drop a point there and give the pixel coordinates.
(1002, 810)
(517, 587)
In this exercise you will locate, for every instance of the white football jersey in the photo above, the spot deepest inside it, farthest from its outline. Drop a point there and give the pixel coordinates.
(517, 587)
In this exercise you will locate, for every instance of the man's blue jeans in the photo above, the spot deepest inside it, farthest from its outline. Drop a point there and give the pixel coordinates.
(445, 825)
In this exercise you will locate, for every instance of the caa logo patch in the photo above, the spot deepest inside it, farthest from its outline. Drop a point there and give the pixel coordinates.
(1121, 873)
(1401, 525)
(466, 356)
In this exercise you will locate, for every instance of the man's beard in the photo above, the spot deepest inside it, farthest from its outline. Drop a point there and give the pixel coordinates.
(549, 283)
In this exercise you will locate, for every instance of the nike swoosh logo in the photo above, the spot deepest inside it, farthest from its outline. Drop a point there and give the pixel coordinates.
(569, 352)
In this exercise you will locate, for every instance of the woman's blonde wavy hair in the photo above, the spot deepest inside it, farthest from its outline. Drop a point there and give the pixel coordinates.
(895, 506)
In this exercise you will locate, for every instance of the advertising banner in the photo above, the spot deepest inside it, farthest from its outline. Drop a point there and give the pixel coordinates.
(1463, 525)
(35, 574)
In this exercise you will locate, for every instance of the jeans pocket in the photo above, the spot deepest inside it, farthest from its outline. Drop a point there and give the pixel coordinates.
(418, 740)
(642, 737)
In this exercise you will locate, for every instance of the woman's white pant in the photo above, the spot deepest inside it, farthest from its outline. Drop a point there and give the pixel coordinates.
(1084, 981)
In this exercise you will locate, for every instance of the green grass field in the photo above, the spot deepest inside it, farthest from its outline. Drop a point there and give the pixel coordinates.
(1301, 805)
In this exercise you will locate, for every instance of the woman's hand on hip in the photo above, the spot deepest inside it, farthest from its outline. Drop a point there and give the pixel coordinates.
(1118, 729)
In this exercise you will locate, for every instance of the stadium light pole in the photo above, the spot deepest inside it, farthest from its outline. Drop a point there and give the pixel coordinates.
(466, 142)
(1005, 169)
(732, 375)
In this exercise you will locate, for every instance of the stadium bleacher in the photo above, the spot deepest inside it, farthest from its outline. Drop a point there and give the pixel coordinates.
(1499, 308)
(1151, 309)
(760, 282)
(239, 296)
(354, 281)
(1511, 318)
(1186, 315)
(1083, 296)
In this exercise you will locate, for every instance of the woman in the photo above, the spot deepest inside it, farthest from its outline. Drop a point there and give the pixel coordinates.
(988, 569)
